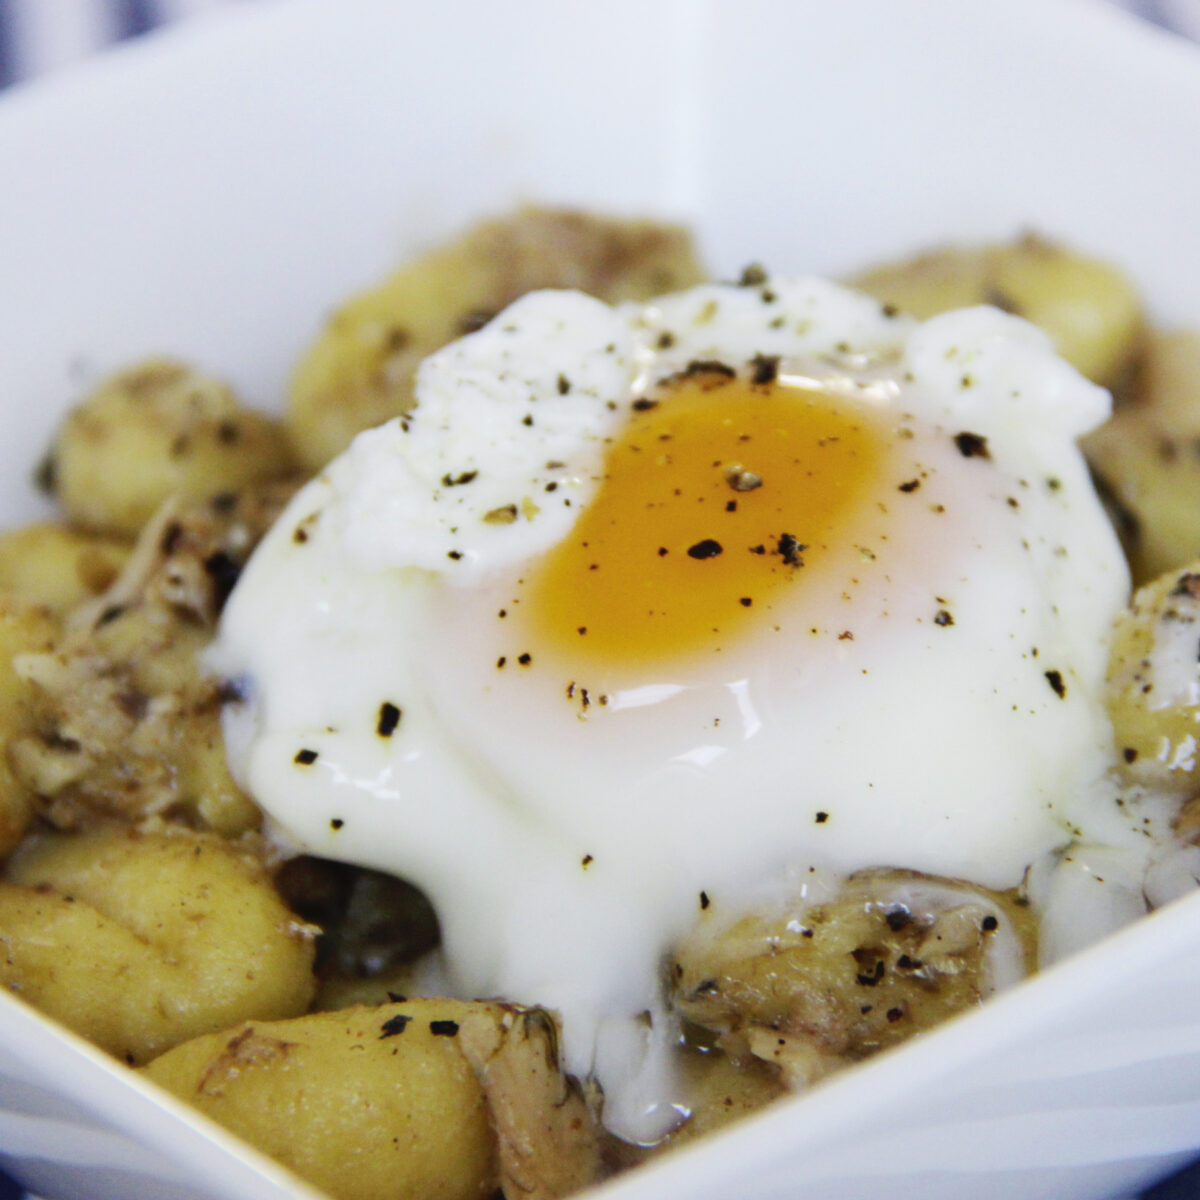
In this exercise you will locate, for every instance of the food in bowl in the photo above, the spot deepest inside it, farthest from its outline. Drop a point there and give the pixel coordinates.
(419, 676)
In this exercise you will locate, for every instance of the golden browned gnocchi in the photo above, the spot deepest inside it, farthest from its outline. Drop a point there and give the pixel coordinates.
(126, 723)
(155, 928)
(359, 372)
(141, 941)
(1148, 457)
(58, 567)
(1153, 683)
(1088, 307)
(24, 629)
(409, 1100)
(891, 954)
(154, 431)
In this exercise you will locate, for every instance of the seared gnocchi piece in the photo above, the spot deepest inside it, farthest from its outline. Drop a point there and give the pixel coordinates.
(359, 373)
(420, 1098)
(1147, 457)
(141, 941)
(154, 431)
(126, 724)
(892, 954)
(1088, 307)
(57, 567)
(24, 629)
(1154, 684)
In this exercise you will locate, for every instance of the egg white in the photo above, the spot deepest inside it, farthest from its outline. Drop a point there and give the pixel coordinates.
(941, 713)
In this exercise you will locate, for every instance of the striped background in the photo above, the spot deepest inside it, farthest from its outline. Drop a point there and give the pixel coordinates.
(38, 37)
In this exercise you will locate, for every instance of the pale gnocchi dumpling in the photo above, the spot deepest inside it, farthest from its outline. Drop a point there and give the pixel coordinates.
(139, 941)
(157, 430)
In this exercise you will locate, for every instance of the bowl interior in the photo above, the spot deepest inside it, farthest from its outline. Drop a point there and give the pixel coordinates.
(211, 193)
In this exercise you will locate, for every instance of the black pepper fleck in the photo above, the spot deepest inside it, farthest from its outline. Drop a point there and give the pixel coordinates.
(394, 1025)
(764, 368)
(708, 548)
(443, 1028)
(1055, 680)
(972, 445)
(305, 758)
(112, 613)
(943, 617)
(709, 366)
(790, 548)
(389, 718)
(873, 977)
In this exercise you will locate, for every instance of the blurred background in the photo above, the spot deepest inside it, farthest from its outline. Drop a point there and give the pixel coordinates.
(41, 37)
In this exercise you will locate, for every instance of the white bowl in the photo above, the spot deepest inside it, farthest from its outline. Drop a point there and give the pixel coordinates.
(211, 193)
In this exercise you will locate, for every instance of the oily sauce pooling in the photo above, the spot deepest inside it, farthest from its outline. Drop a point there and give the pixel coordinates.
(720, 493)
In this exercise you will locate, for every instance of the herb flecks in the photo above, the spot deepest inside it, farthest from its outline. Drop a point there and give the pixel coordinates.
(506, 514)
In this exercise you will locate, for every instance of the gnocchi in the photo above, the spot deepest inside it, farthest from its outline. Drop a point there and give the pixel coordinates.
(139, 941)
(141, 907)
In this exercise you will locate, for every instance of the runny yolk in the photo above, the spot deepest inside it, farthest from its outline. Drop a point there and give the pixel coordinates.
(719, 496)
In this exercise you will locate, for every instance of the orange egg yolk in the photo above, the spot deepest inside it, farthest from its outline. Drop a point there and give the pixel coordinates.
(719, 496)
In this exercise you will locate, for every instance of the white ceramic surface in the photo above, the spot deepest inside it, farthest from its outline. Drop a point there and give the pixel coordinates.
(210, 193)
